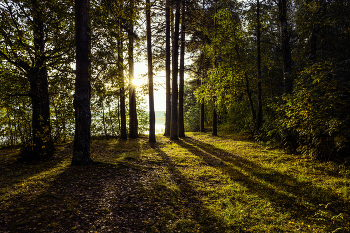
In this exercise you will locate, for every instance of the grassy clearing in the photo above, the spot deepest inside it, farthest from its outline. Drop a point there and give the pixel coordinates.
(196, 184)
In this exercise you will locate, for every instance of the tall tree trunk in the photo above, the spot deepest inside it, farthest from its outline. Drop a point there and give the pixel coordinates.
(314, 34)
(133, 123)
(215, 120)
(111, 121)
(202, 118)
(249, 94)
(167, 70)
(152, 132)
(173, 129)
(202, 112)
(123, 134)
(104, 121)
(42, 143)
(286, 53)
(82, 137)
(259, 118)
(181, 125)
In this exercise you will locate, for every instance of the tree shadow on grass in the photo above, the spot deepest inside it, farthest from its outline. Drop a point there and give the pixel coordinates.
(14, 173)
(100, 197)
(196, 216)
(301, 199)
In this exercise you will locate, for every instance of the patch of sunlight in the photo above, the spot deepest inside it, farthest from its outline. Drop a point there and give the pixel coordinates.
(36, 181)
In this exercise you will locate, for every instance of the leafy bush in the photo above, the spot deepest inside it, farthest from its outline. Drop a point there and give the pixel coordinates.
(316, 117)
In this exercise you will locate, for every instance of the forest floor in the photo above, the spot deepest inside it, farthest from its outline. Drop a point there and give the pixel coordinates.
(199, 183)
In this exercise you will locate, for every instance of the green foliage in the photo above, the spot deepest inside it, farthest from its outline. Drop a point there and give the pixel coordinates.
(317, 113)
(236, 118)
(191, 114)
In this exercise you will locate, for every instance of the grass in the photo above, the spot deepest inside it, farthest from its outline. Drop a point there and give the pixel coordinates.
(199, 183)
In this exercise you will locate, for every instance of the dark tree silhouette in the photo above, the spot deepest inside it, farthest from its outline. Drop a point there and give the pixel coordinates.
(81, 151)
(152, 134)
(167, 70)
(173, 130)
(181, 125)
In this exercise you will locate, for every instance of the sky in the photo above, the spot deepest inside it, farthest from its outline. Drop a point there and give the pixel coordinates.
(159, 91)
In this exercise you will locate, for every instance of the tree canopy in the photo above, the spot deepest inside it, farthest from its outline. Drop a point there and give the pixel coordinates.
(276, 69)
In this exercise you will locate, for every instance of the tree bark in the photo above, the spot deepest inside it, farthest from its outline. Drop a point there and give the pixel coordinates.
(152, 134)
(42, 143)
(215, 120)
(133, 123)
(259, 117)
(181, 129)
(82, 137)
(249, 94)
(286, 52)
(202, 113)
(173, 130)
(167, 70)
(123, 134)
(314, 34)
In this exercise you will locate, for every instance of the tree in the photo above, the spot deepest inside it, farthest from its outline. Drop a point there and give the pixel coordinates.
(174, 128)
(258, 35)
(167, 70)
(123, 134)
(82, 137)
(133, 123)
(152, 136)
(32, 42)
(181, 129)
(286, 52)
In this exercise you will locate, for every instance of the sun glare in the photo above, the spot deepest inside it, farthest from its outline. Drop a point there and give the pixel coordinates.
(138, 82)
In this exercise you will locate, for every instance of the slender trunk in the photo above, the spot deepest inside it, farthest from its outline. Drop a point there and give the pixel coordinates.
(215, 120)
(104, 121)
(286, 52)
(167, 70)
(201, 127)
(202, 114)
(181, 125)
(123, 134)
(82, 137)
(10, 130)
(133, 123)
(42, 144)
(118, 114)
(249, 94)
(314, 34)
(110, 120)
(259, 118)
(173, 129)
(152, 133)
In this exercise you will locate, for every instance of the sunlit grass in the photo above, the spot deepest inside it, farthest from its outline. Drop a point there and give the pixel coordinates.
(196, 184)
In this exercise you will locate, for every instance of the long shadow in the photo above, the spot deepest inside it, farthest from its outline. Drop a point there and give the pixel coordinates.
(13, 173)
(290, 193)
(101, 197)
(192, 201)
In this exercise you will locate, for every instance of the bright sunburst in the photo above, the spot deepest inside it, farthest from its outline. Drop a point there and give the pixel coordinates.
(138, 82)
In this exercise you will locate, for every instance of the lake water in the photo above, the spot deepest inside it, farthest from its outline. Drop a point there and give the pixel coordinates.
(159, 126)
